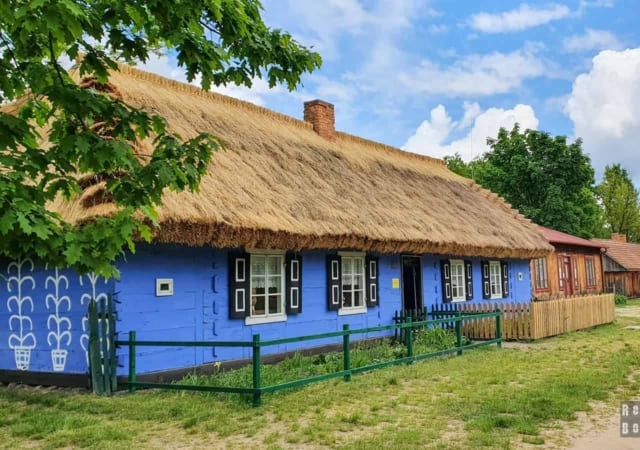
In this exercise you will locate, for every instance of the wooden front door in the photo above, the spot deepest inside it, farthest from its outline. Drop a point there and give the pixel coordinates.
(411, 283)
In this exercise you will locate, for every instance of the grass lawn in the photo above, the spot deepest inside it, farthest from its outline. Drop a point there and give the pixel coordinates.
(487, 398)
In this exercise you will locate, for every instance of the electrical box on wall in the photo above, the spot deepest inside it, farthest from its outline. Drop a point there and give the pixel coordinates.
(164, 287)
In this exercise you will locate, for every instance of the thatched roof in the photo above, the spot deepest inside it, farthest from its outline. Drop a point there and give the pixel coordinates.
(280, 185)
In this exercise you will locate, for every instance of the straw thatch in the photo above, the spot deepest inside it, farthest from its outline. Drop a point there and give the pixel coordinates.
(279, 185)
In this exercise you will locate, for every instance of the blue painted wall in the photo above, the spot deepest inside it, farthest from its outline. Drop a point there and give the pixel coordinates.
(197, 310)
(519, 280)
(43, 325)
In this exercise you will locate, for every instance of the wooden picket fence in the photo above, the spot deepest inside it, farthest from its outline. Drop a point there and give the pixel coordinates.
(553, 317)
(536, 320)
(516, 320)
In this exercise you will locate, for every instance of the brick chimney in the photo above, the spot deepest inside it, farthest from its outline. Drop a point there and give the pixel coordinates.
(618, 237)
(320, 114)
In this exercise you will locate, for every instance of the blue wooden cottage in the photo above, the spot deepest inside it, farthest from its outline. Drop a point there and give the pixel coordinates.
(297, 229)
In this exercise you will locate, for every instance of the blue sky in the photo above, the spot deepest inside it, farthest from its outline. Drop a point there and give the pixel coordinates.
(436, 77)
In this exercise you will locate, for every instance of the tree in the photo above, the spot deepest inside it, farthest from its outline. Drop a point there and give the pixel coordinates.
(221, 41)
(545, 178)
(473, 169)
(619, 200)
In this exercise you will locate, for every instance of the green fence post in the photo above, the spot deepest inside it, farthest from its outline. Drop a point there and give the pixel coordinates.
(499, 327)
(257, 393)
(425, 317)
(409, 336)
(95, 363)
(112, 347)
(346, 352)
(132, 361)
(459, 332)
(104, 347)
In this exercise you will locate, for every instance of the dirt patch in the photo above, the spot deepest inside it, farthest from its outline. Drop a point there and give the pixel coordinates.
(605, 434)
(629, 311)
(564, 435)
(596, 429)
(524, 346)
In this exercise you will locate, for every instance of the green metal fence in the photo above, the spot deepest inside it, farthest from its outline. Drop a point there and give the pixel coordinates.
(257, 344)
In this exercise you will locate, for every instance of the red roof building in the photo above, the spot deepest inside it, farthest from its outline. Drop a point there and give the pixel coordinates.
(574, 268)
(621, 263)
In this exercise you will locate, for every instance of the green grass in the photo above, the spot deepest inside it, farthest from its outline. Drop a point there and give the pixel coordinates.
(298, 366)
(487, 398)
(631, 302)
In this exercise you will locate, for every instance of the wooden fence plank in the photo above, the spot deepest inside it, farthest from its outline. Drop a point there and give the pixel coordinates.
(536, 320)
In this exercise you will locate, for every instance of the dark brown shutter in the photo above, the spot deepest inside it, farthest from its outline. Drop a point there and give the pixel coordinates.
(334, 284)
(293, 282)
(445, 276)
(505, 279)
(239, 295)
(486, 280)
(468, 279)
(371, 275)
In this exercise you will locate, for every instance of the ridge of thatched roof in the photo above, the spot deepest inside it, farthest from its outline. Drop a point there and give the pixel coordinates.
(279, 185)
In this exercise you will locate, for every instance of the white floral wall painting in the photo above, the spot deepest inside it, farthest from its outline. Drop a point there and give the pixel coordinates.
(21, 339)
(58, 324)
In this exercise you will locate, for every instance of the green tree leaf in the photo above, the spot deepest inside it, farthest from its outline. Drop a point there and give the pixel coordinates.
(547, 179)
(61, 132)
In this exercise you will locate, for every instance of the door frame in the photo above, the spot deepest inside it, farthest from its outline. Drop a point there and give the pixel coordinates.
(420, 296)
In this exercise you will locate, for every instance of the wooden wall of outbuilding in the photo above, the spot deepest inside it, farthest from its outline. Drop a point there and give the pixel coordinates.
(627, 283)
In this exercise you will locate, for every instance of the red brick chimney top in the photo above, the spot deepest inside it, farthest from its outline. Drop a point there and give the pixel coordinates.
(320, 114)
(618, 237)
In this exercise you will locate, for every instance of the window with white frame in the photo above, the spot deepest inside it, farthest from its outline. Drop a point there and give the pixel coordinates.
(591, 271)
(353, 283)
(495, 279)
(542, 279)
(267, 286)
(457, 281)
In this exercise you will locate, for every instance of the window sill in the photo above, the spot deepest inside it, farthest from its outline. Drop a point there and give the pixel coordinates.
(350, 311)
(458, 300)
(268, 319)
(496, 297)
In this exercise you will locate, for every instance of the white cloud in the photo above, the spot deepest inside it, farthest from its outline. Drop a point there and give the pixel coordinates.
(438, 28)
(477, 75)
(584, 4)
(322, 24)
(326, 88)
(591, 40)
(432, 136)
(471, 111)
(518, 19)
(604, 106)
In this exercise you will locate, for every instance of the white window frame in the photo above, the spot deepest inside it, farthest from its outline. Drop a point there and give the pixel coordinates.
(492, 266)
(347, 310)
(541, 273)
(252, 319)
(590, 263)
(453, 275)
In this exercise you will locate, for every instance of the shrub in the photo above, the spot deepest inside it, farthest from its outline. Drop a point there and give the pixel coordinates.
(435, 338)
(621, 299)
